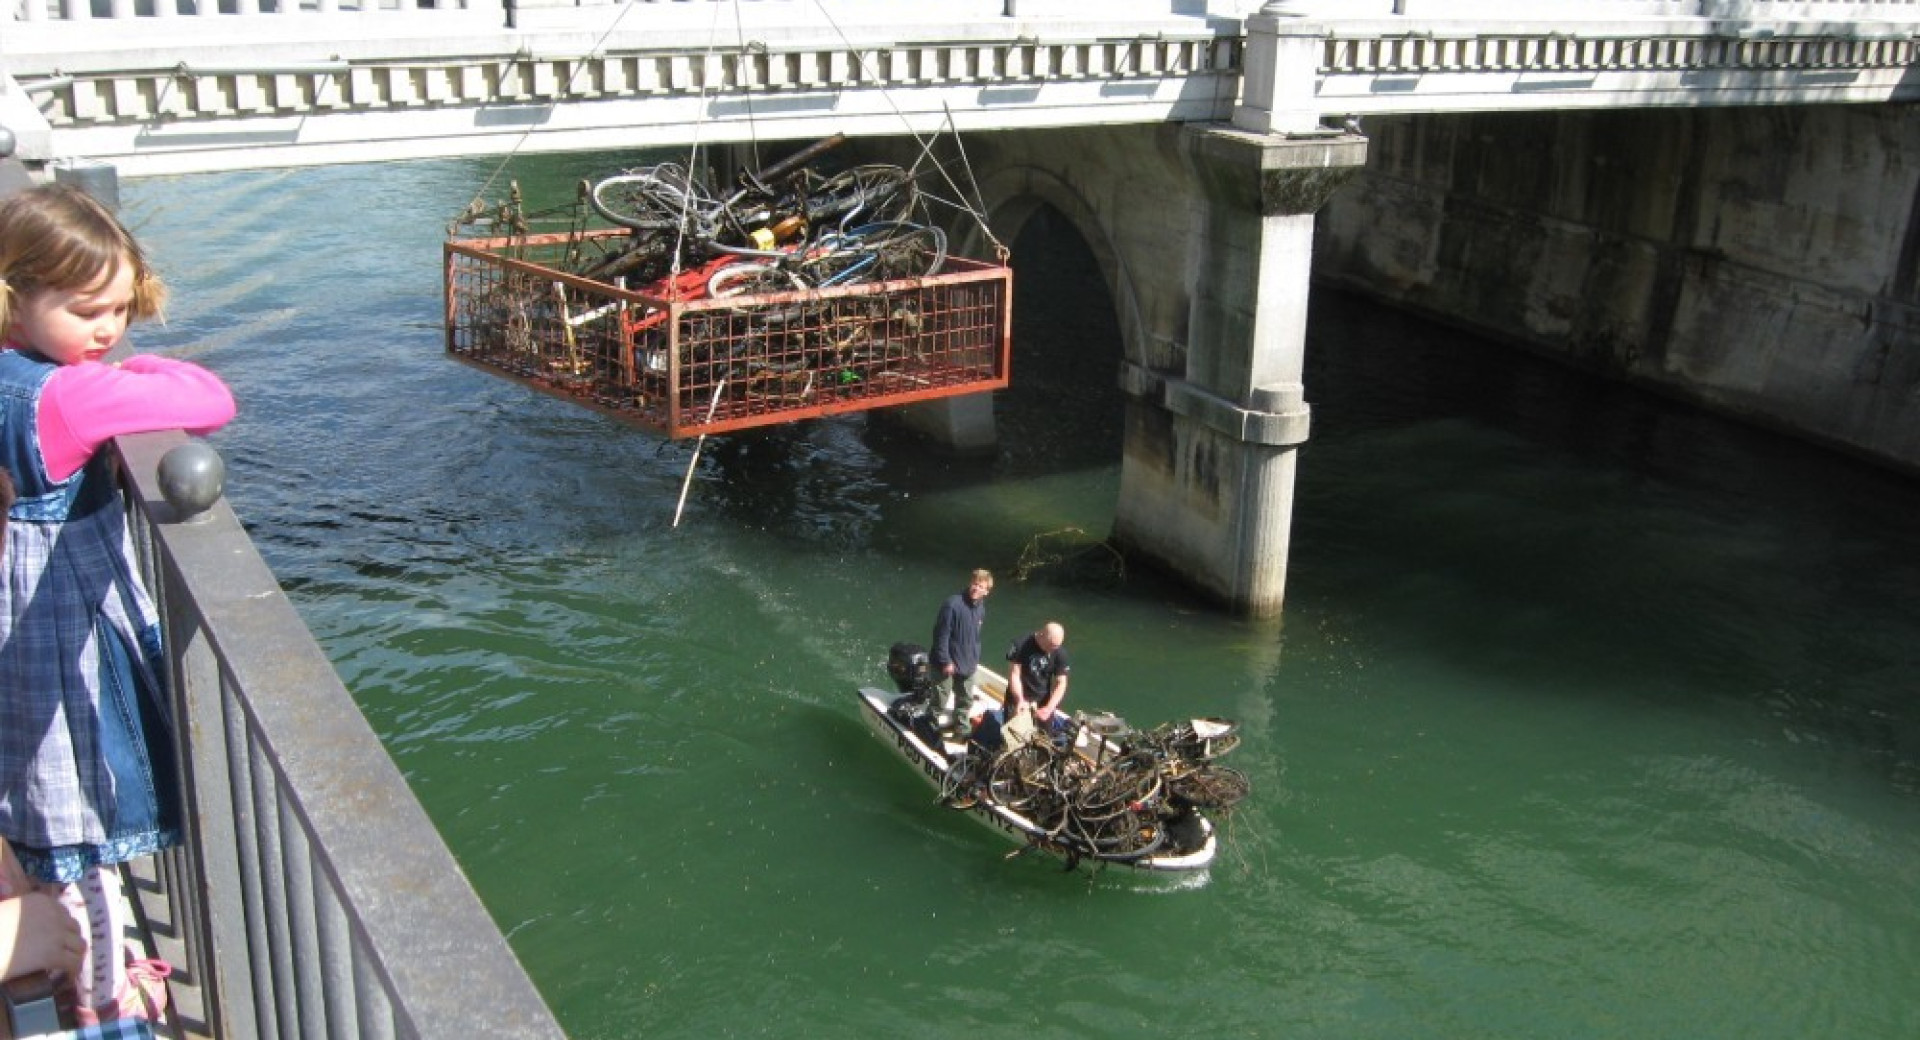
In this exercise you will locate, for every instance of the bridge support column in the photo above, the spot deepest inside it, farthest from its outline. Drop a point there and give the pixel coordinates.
(1207, 469)
(963, 424)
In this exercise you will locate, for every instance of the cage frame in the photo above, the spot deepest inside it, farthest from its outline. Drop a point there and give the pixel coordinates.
(621, 395)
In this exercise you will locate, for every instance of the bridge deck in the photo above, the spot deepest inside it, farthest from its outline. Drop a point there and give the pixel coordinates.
(157, 88)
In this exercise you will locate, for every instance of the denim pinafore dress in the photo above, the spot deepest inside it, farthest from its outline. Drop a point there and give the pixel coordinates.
(86, 765)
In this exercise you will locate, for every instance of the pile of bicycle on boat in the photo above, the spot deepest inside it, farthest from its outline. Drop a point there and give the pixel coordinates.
(1095, 789)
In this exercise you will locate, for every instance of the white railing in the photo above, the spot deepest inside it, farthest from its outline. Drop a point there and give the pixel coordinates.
(65, 32)
(35, 11)
(1496, 52)
(1604, 10)
(38, 11)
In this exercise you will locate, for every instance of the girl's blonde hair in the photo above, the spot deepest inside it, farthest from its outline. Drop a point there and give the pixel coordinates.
(55, 236)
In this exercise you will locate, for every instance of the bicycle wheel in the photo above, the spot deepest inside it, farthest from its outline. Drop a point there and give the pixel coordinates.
(836, 259)
(752, 280)
(1195, 741)
(901, 250)
(1130, 783)
(1211, 787)
(651, 199)
(1130, 836)
(1018, 778)
(864, 193)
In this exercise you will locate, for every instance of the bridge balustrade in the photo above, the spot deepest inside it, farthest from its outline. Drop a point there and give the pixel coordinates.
(313, 897)
(147, 11)
(1480, 55)
(1658, 50)
(1586, 10)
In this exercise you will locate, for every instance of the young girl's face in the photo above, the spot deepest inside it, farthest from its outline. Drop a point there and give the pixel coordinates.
(70, 326)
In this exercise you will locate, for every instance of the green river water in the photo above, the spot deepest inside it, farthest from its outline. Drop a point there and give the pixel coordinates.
(1589, 716)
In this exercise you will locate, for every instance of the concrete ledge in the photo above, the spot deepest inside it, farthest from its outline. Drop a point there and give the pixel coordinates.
(1272, 428)
(1143, 383)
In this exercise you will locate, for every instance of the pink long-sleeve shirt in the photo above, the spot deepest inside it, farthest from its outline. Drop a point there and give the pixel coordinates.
(83, 406)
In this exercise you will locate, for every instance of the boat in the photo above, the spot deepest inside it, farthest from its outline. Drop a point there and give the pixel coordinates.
(1133, 800)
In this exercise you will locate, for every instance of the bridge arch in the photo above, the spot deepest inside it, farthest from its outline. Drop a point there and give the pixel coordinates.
(1012, 196)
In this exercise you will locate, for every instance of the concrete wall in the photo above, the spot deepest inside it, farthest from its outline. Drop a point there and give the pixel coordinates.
(1763, 262)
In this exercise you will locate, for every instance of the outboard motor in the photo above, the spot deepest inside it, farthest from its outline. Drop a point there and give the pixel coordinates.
(912, 673)
(1185, 833)
(907, 663)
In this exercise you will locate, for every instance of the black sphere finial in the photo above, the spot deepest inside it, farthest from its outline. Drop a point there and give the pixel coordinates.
(191, 478)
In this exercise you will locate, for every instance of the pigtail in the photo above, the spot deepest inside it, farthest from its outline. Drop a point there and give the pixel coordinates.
(6, 308)
(149, 292)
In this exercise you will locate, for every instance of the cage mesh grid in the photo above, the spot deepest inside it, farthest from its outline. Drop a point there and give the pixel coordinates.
(686, 364)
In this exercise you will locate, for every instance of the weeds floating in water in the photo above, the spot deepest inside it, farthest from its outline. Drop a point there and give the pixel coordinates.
(1070, 556)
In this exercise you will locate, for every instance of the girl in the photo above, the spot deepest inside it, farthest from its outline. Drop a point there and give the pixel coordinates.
(87, 777)
(36, 934)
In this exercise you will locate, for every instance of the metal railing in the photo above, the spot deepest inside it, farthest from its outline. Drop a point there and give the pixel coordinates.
(313, 897)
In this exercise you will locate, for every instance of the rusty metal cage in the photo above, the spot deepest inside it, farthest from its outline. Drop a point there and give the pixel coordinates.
(675, 360)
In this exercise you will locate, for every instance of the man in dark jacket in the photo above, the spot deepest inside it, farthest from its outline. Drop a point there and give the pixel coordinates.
(956, 647)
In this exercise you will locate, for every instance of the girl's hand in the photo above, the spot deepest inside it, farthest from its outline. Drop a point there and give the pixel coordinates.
(37, 934)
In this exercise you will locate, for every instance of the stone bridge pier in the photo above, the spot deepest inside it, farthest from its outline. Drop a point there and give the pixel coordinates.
(1204, 235)
(1207, 470)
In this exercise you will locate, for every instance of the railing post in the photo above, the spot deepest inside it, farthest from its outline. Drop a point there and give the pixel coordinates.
(1277, 82)
(219, 949)
(205, 885)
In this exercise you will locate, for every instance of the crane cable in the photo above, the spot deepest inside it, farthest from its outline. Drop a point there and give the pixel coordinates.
(974, 208)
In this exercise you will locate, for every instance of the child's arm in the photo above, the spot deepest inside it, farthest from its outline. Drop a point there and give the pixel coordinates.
(37, 934)
(85, 405)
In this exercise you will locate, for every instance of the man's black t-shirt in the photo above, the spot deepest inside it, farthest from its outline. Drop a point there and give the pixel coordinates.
(1038, 668)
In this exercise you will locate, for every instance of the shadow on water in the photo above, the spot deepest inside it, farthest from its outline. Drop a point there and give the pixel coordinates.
(1064, 409)
(1696, 562)
(831, 482)
(1062, 413)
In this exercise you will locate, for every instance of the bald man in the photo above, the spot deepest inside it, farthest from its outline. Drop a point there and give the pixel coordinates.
(1039, 674)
